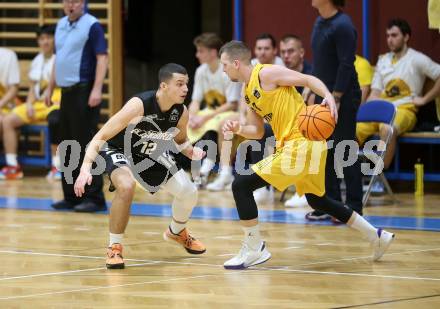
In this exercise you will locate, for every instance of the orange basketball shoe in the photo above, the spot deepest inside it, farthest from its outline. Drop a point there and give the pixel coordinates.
(114, 257)
(188, 242)
(11, 172)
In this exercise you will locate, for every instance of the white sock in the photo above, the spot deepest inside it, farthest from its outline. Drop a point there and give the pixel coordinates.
(176, 228)
(252, 236)
(363, 226)
(207, 166)
(115, 239)
(225, 170)
(11, 159)
(56, 162)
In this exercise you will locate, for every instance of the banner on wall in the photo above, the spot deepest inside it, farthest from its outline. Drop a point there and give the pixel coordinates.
(434, 14)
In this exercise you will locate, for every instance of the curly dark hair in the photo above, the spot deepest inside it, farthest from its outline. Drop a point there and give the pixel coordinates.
(400, 23)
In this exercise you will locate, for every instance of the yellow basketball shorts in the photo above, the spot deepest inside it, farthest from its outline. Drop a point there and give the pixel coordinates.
(299, 162)
(40, 108)
(404, 121)
(41, 112)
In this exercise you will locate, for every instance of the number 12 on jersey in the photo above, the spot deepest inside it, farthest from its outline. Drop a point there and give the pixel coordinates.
(148, 147)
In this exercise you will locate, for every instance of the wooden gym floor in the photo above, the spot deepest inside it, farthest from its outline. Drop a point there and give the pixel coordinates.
(56, 259)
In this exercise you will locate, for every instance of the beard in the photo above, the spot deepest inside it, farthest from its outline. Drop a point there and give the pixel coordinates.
(398, 47)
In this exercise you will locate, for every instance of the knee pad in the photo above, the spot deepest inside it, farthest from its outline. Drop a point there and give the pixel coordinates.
(188, 194)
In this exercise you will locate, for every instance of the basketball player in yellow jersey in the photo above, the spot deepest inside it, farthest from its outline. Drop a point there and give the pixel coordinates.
(270, 95)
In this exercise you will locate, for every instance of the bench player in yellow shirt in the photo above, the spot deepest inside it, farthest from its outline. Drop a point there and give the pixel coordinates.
(270, 95)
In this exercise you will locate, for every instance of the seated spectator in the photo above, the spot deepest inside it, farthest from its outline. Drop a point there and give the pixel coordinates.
(399, 78)
(292, 54)
(364, 71)
(266, 50)
(9, 81)
(428, 116)
(220, 96)
(34, 110)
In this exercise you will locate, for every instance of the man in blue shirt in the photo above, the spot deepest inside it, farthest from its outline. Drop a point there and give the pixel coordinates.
(80, 67)
(334, 46)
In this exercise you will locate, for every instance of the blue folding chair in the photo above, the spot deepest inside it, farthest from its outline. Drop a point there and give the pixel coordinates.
(383, 112)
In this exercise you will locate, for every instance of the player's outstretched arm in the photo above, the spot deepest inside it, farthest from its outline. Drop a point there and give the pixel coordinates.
(275, 76)
(131, 111)
(181, 139)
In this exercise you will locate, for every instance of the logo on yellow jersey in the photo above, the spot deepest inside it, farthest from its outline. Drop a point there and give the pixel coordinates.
(268, 117)
(255, 107)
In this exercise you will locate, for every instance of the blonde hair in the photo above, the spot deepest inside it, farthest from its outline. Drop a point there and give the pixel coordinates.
(237, 50)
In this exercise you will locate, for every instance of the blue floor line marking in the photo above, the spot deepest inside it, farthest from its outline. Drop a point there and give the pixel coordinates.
(218, 213)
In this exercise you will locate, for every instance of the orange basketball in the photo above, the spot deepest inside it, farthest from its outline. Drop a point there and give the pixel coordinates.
(316, 122)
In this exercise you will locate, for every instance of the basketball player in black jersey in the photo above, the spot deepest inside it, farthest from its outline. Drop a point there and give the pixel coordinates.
(136, 143)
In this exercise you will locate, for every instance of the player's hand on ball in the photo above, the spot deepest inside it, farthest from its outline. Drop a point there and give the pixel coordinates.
(329, 101)
(84, 178)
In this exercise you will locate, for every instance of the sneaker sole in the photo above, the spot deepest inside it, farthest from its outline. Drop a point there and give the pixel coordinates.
(191, 251)
(115, 266)
(385, 249)
(266, 256)
(318, 218)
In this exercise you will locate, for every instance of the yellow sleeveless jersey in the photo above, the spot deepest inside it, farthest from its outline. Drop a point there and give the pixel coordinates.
(279, 107)
(297, 161)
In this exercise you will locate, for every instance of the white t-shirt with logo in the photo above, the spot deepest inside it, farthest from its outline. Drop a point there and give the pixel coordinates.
(215, 88)
(402, 81)
(40, 71)
(9, 69)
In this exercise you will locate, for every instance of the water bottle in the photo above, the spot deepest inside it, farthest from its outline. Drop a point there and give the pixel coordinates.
(418, 179)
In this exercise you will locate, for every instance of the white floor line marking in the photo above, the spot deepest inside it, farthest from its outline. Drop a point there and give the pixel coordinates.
(14, 225)
(227, 254)
(71, 271)
(288, 248)
(296, 242)
(259, 268)
(223, 237)
(51, 254)
(347, 274)
(284, 269)
(101, 258)
(325, 244)
(150, 233)
(51, 274)
(104, 287)
(368, 257)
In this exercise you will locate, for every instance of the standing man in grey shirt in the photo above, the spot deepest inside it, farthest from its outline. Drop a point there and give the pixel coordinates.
(80, 68)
